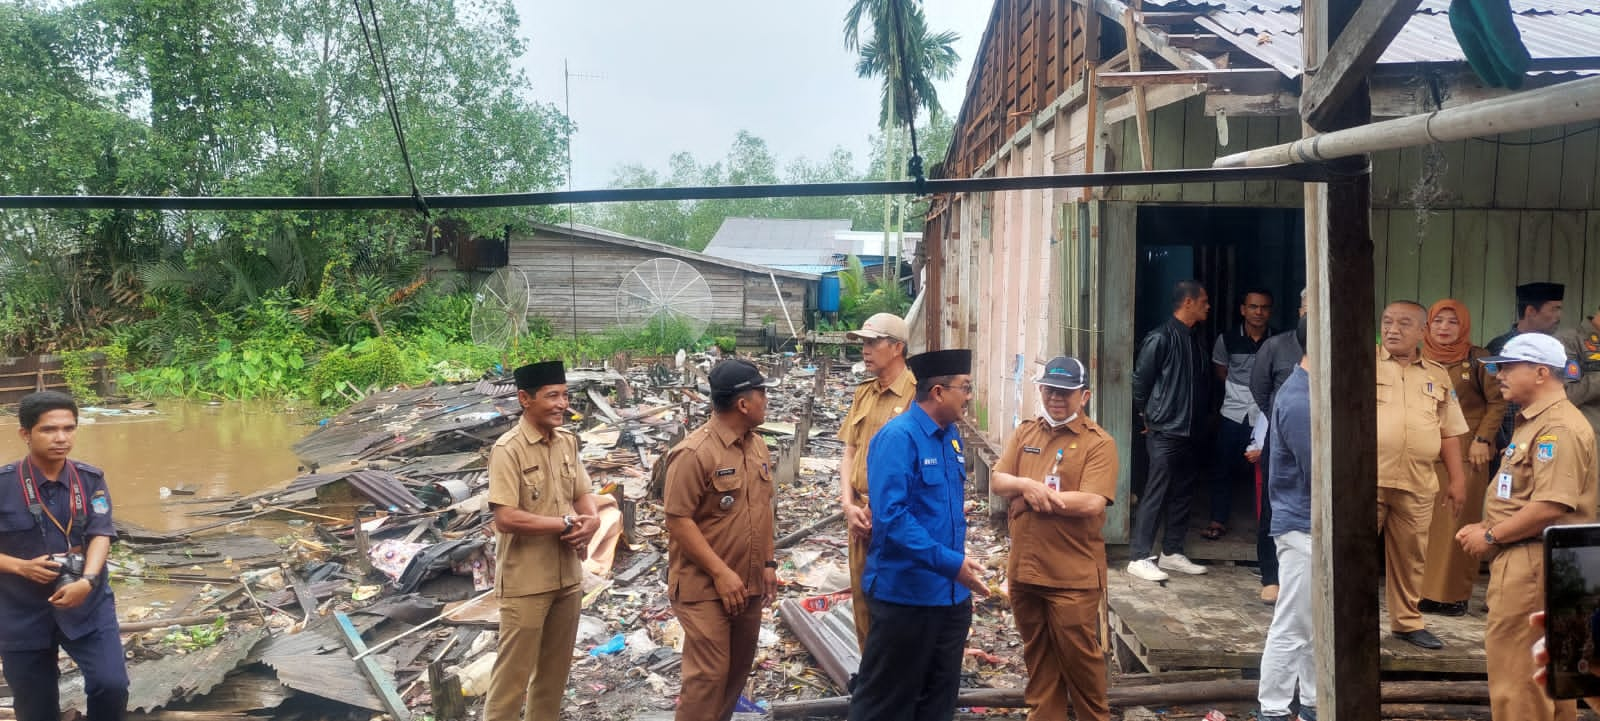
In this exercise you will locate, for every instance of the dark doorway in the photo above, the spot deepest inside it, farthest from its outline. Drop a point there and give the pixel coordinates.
(1229, 250)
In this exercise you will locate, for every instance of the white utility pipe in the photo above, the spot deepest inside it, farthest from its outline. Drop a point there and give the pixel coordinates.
(1571, 102)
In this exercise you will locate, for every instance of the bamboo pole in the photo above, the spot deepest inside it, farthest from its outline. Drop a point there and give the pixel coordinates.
(1571, 102)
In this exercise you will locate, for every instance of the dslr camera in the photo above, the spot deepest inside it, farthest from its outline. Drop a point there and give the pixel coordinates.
(71, 568)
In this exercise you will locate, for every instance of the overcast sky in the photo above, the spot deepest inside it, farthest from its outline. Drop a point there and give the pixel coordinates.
(688, 75)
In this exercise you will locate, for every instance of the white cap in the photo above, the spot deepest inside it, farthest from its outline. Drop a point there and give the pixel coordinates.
(1536, 348)
(882, 325)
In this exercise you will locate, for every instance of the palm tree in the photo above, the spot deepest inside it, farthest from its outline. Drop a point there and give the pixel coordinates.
(909, 62)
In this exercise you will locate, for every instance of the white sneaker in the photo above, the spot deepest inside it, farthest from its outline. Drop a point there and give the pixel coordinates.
(1181, 563)
(1145, 569)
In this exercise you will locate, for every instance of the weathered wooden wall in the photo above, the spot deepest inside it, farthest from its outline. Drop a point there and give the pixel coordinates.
(575, 280)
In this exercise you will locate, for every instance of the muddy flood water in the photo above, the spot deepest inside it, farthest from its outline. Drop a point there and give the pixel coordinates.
(213, 450)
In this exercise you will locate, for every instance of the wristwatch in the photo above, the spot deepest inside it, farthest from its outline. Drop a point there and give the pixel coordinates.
(93, 579)
(571, 521)
(1480, 439)
(770, 564)
(1488, 537)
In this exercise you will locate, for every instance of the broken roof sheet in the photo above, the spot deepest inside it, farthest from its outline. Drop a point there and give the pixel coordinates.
(1269, 30)
(154, 684)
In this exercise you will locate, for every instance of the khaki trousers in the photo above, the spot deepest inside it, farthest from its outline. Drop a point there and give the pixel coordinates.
(1516, 589)
(858, 597)
(534, 656)
(1403, 519)
(718, 650)
(1449, 574)
(1063, 647)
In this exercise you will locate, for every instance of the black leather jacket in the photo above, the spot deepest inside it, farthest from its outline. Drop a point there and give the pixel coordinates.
(1170, 380)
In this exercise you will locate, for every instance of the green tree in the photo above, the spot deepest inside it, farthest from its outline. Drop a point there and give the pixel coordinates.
(908, 59)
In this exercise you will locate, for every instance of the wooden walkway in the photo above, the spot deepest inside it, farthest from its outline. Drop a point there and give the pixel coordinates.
(1217, 620)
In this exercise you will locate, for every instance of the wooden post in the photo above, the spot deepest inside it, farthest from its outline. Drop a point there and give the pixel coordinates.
(1339, 273)
(382, 683)
(448, 702)
(1141, 108)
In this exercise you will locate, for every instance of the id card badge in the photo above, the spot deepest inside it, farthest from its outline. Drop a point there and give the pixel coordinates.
(1052, 482)
(1502, 485)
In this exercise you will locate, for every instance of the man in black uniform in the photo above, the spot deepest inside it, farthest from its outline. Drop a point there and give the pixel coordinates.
(55, 533)
(1539, 307)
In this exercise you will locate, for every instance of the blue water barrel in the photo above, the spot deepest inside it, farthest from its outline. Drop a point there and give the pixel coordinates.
(828, 294)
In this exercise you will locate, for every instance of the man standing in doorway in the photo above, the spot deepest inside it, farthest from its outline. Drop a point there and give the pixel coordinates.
(1419, 421)
(544, 516)
(721, 572)
(1060, 472)
(55, 534)
(1169, 394)
(1232, 357)
(919, 580)
(1546, 478)
(1539, 307)
(1275, 362)
(890, 391)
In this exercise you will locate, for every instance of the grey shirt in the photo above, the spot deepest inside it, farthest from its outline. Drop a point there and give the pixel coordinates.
(1236, 351)
(1278, 358)
(1289, 480)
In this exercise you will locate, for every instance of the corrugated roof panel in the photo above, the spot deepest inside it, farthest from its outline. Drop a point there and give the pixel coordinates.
(1521, 7)
(1274, 37)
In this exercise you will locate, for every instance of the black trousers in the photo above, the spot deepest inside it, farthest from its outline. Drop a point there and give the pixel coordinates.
(1175, 462)
(33, 675)
(1266, 547)
(911, 668)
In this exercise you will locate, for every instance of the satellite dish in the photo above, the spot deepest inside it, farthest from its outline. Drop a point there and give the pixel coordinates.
(664, 290)
(500, 308)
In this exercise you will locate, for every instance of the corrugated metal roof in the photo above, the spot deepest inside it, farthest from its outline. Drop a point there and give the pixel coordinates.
(381, 487)
(1550, 29)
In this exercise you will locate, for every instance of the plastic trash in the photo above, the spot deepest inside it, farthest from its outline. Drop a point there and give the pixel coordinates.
(616, 644)
(475, 676)
(1215, 715)
(165, 492)
(745, 705)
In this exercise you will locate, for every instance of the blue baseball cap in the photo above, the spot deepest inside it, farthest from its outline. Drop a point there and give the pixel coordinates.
(1064, 372)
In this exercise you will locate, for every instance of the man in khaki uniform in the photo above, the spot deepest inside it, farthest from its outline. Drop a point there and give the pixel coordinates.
(1418, 418)
(544, 515)
(720, 567)
(892, 390)
(1060, 472)
(1546, 478)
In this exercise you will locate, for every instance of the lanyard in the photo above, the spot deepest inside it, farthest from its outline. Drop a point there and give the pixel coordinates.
(30, 493)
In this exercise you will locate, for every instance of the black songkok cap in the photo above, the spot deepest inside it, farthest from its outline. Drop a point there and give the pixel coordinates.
(1540, 293)
(936, 363)
(534, 376)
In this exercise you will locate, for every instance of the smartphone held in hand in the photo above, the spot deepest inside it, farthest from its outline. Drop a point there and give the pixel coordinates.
(1572, 610)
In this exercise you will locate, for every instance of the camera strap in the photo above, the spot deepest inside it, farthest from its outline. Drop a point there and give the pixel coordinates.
(76, 507)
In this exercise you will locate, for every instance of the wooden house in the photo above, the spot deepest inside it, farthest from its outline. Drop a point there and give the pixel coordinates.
(575, 273)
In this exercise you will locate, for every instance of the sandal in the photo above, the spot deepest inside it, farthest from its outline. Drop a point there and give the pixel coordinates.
(1214, 531)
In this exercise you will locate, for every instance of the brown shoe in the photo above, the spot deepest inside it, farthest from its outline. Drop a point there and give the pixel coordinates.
(1269, 594)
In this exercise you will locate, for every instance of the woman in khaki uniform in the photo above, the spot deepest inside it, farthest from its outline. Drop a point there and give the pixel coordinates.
(1449, 573)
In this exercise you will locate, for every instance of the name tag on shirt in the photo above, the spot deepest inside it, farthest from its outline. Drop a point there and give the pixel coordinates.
(930, 461)
(1031, 449)
(1052, 482)
(1502, 485)
(726, 472)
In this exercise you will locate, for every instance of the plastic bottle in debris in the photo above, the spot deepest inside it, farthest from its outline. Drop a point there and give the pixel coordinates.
(1215, 715)
(475, 676)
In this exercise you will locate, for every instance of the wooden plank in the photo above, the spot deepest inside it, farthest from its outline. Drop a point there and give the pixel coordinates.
(1199, 149)
(1380, 257)
(1386, 179)
(1501, 242)
(1545, 162)
(1452, 177)
(1351, 57)
(1241, 79)
(1533, 246)
(1168, 138)
(1567, 253)
(1591, 265)
(1260, 133)
(1289, 194)
(1141, 108)
(1434, 277)
(1404, 262)
(1467, 266)
(1480, 162)
(1114, 253)
(1578, 170)
(381, 681)
(1511, 171)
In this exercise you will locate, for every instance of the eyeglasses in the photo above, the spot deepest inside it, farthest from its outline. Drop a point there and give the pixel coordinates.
(1495, 368)
(967, 389)
(1054, 392)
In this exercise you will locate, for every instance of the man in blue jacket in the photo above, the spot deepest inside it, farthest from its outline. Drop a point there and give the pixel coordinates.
(918, 581)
